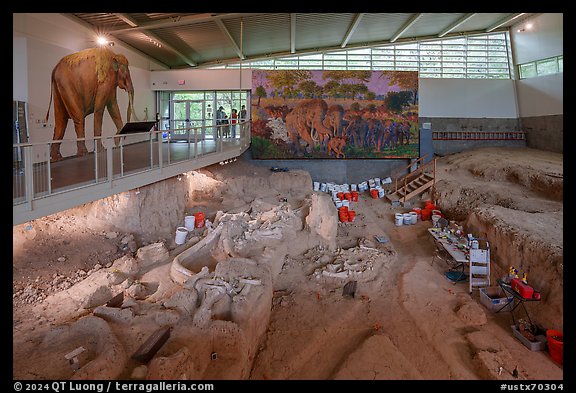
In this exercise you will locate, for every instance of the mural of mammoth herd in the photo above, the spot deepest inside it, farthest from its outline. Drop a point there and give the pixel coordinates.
(313, 123)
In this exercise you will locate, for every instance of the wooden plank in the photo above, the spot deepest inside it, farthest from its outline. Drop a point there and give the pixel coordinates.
(152, 345)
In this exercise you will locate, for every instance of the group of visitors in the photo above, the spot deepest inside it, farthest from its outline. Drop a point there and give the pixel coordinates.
(229, 123)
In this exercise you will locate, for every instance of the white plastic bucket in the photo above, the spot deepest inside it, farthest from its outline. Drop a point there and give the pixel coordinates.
(435, 218)
(413, 218)
(399, 219)
(316, 186)
(353, 187)
(407, 219)
(181, 233)
(189, 222)
(338, 203)
(346, 203)
(377, 181)
(323, 187)
(380, 192)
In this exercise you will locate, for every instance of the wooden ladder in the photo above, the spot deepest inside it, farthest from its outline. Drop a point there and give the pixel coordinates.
(414, 183)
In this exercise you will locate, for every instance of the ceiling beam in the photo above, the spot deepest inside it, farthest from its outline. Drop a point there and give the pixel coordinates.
(502, 22)
(132, 22)
(351, 29)
(406, 26)
(186, 59)
(181, 21)
(125, 18)
(292, 33)
(230, 38)
(454, 25)
(94, 30)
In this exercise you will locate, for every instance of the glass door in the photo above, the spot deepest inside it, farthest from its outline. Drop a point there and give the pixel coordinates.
(180, 123)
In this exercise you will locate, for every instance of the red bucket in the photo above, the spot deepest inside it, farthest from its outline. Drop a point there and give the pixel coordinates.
(426, 214)
(555, 345)
(354, 196)
(340, 196)
(343, 209)
(343, 216)
(351, 215)
(374, 194)
(348, 196)
(199, 220)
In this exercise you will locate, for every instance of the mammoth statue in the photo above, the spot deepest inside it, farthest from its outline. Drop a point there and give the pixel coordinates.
(83, 83)
(306, 122)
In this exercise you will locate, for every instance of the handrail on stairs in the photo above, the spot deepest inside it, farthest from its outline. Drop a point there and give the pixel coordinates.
(419, 169)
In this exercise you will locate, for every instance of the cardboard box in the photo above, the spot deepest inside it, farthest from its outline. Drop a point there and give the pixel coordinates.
(494, 298)
(538, 345)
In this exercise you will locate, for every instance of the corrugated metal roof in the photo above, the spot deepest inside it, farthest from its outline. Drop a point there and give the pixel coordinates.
(214, 38)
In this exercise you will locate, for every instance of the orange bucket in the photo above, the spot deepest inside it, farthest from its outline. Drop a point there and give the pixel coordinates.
(343, 209)
(426, 214)
(555, 345)
(348, 196)
(340, 196)
(343, 217)
(199, 220)
(374, 193)
(354, 196)
(351, 215)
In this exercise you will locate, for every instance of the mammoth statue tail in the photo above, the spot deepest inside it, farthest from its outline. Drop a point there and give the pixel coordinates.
(49, 102)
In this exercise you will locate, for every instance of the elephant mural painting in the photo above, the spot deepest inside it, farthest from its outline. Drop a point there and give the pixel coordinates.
(84, 83)
(305, 121)
(335, 119)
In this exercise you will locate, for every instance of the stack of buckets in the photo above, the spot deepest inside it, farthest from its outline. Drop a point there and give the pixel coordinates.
(343, 200)
(409, 218)
(376, 190)
(429, 210)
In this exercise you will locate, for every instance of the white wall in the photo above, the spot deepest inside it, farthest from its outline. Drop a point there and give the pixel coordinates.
(201, 79)
(19, 67)
(47, 38)
(541, 96)
(467, 98)
(543, 40)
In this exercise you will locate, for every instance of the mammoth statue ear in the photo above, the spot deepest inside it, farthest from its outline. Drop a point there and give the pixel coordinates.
(115, 64)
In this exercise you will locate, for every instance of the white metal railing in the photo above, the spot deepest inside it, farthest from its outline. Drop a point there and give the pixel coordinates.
(109, 158)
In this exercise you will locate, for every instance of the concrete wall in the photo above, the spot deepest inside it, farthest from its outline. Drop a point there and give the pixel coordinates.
(545, 132)
(201, 80)
(336, 171)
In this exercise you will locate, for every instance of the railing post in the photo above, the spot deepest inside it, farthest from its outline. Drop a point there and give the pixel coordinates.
(29, 175)
(160, 148)
(95, 160)
(151, 150)
(196, 140)
(122, 157)
(110, 163)
(49, 174)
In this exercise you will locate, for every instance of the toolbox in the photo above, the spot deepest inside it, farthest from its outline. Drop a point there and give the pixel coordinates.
(524, 290)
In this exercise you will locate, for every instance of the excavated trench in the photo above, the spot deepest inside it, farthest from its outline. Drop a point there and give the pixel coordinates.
(257, 293)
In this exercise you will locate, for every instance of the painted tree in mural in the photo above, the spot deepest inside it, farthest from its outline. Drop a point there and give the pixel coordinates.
(348, 84)
(309, 89)
(285, 81)
(406, 80)
(260, 93)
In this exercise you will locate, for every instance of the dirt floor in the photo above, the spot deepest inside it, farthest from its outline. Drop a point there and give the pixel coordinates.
(283, 259)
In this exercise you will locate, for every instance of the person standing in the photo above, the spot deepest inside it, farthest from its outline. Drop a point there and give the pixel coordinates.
(243, 113)
(233, 121)
(220, 116)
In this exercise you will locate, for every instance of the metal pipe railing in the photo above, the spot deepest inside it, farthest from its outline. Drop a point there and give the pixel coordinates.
(33, 180)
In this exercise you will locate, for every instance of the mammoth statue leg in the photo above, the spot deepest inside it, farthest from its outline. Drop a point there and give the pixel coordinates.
(60, 122)
(114, 112)
(81, 144)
